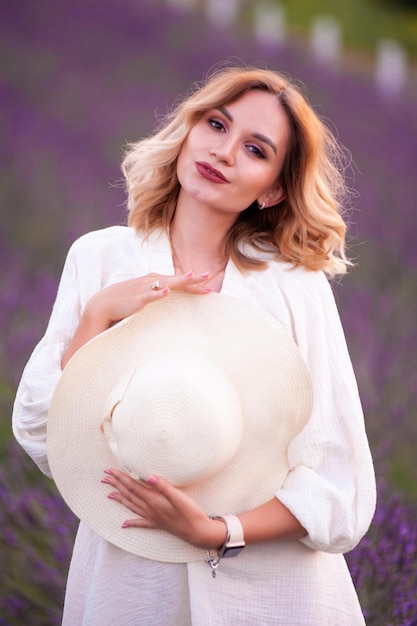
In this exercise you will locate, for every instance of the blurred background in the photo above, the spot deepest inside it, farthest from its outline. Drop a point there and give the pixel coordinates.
(81, 78)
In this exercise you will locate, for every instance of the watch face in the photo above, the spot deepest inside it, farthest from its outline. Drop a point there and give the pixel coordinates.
(232, 551)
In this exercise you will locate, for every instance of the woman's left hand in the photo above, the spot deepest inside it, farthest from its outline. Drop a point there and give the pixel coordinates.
(158, 504)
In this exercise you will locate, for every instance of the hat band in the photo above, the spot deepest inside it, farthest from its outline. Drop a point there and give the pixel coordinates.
(106, 424)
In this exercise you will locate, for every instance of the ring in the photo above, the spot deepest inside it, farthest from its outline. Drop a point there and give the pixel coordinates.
(155, 285)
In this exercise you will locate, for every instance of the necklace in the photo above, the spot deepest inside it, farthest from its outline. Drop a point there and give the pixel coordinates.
(178, 265)
(214, 275)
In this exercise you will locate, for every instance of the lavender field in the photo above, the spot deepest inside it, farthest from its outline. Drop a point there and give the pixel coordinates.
(80, 78)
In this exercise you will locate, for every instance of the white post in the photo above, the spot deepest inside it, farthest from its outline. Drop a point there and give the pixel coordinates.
(223, 13)
(391, 67)
(326, 39)
(183, 4)
(269, 24)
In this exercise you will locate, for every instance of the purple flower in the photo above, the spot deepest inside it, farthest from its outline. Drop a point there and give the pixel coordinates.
(67, 110)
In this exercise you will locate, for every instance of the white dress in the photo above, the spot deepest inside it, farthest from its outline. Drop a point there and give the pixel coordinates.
(330, 487)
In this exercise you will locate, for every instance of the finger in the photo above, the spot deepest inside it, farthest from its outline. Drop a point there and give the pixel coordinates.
(195, 279)
(133, 506)
(138, 522)
(172, 494)
(120, 479)
(178, 281)
(128, 492)
(132, 491)
(151, 295)
(197, 286)
(145, 494)
(139, 496)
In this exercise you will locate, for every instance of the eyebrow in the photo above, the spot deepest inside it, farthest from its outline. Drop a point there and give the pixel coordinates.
(258, 136)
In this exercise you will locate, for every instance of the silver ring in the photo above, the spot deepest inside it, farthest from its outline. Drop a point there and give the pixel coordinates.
(155, 285)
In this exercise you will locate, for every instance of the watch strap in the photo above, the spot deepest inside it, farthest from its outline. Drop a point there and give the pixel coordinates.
(234, 538)
(233, 543)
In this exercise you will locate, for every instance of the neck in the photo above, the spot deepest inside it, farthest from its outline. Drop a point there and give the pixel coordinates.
(192, 258)
(197, 241)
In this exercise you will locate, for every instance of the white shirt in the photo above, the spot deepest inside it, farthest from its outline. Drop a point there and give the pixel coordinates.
(330, 487)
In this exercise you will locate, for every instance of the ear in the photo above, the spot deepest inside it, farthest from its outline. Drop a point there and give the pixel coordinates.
(274, 196)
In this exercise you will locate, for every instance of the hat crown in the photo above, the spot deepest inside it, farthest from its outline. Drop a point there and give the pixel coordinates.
(176, 416)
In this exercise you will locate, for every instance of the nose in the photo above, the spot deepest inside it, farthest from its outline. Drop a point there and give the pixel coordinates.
(224, 150)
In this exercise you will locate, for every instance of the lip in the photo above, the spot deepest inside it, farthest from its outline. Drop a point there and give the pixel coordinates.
(210, 173)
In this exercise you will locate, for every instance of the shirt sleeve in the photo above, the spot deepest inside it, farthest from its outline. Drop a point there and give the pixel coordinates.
(330, 487)
(43, 370)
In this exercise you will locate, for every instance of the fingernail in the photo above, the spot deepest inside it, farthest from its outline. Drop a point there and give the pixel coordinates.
(209, 289)
(189, 274)
(105, 481)
(125, 525)
(112, 496)
(165, 291)
(108, 471)
(205, 274)
(152, 480)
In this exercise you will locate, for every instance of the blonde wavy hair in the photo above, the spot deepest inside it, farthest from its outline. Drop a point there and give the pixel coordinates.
(305, 229)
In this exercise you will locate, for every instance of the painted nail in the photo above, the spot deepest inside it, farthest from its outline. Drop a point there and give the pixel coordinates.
(112, 496)
(205, 274)
(165, 291)
(125, 525)
(108, 471)
(209, 289)
(189, 274)
(105, 481)
(152, 480)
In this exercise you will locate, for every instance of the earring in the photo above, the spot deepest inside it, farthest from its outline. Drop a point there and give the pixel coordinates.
(262, 206)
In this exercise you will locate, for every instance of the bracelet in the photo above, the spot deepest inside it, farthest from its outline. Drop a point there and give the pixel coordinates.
(233, 544)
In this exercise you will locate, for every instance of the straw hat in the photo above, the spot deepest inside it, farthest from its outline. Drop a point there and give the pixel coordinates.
(206, 391)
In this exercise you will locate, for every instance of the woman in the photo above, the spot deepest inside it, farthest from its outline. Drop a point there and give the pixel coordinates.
(238, 193)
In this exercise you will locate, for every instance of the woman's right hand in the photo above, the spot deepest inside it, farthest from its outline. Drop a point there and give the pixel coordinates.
(114, 303)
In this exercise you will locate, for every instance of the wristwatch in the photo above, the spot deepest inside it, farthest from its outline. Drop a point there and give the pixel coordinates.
(234, 542)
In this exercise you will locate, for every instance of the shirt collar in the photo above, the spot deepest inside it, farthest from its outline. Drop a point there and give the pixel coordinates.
(157, 250)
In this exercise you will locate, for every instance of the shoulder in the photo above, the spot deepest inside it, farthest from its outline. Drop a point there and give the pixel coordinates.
(105, 238)
(301, 284)
(302, 300)
(102, 257)
(295, 283)
(103, 254)
(106, 247)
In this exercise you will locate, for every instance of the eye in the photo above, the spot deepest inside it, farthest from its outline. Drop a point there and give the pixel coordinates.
(216, 124)
(257, 152)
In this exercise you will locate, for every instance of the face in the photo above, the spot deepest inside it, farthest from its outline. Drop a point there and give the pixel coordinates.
(234, 154)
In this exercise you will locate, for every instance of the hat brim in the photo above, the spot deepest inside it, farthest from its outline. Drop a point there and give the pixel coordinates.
(258, 357)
